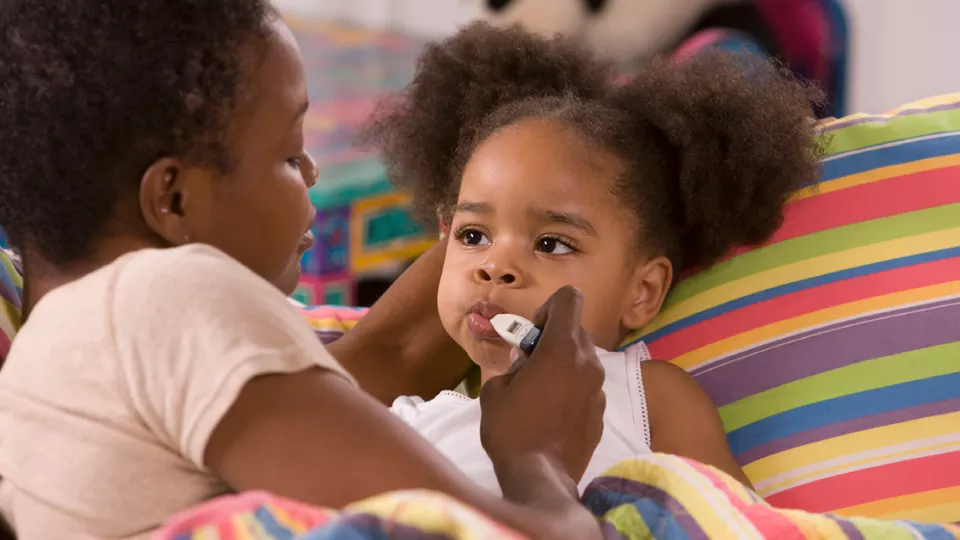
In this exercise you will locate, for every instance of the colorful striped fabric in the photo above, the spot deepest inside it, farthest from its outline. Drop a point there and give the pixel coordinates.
(11, 291)
(412, 515)
(659, 496)
(331, 322)
(833, 351)
(655, 496)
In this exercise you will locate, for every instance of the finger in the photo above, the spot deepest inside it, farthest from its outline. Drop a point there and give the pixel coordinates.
(560, 338)
(563, 299)
(561, 318)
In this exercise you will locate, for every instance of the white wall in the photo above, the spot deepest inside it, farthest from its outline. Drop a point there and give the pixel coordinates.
(901, 50)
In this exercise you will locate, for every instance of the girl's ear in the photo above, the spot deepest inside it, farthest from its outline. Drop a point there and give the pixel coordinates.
(648, 289)
(164, 200)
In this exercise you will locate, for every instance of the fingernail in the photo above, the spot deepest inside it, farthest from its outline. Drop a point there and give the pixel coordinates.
(514, 356)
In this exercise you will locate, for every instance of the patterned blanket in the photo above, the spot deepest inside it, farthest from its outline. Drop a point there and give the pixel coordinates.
(656, 496)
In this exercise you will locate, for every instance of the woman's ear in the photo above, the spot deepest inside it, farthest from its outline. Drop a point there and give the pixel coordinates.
(163, 201)
(647, 292)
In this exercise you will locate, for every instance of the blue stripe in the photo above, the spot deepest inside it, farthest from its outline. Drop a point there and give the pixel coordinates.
(801, 285)
(885, 156)
(840, 409)
(931, 531)
(268, 521)
(657, 518)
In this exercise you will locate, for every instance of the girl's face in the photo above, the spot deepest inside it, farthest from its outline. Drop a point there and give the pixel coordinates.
(537, 211)
(261, 213)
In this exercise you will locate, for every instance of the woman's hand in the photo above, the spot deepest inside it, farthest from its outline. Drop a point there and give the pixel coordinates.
(547, 412)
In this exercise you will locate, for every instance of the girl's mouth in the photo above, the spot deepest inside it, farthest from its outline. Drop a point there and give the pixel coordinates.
(478, 320)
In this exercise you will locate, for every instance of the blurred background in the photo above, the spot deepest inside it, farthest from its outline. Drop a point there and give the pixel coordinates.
(870, 56)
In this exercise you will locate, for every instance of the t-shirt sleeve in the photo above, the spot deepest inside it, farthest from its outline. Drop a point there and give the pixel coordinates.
(192, 326)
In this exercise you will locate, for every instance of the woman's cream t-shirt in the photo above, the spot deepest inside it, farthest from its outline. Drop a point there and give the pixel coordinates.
(115, 383)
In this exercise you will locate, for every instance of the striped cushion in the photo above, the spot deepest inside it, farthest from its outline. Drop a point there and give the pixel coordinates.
(833, 352)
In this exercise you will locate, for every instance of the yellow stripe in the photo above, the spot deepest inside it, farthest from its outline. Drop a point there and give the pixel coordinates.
(330, 323)
(851, 443)
(948, 512)
(859, 464)
(926, 103)
(11, 270)
(786, 327)
(893, 506)
(658, 472)
(808, 268)
(876, 175)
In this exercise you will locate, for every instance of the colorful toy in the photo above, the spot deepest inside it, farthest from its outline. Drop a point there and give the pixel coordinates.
(809, 35)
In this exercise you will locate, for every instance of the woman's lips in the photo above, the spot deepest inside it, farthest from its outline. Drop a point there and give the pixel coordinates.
(478, 320)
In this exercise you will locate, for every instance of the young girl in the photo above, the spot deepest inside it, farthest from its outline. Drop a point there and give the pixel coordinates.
(154, 178)
(547, 175)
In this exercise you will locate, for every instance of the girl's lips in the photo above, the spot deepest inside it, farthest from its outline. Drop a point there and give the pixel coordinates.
(478, 319)
(481, 327)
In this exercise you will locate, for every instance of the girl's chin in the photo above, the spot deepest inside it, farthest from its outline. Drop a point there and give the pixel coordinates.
(493, 358)
(288, 281)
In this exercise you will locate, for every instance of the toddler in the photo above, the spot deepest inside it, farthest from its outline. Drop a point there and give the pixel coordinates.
(545, 174)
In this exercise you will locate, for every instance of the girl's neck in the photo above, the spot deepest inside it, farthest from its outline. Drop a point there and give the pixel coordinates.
(41, 276)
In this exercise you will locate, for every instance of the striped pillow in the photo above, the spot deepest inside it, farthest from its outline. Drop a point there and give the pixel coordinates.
(833, 351)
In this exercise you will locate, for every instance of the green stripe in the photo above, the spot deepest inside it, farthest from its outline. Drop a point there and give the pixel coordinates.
(817, 244)
(628, 521)
(860, 377)
(897, 128)
(888, 530)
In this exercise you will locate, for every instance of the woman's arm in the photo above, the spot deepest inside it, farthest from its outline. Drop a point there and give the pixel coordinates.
(312, 436)
(683, 419)
(399, 347)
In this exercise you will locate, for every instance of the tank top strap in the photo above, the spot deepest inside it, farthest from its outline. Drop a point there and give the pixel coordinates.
(636, 355)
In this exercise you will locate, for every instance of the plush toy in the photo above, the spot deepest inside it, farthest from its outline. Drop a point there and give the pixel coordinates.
(809, 35)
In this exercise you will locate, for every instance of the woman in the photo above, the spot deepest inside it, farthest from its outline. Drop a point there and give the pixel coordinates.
(154, 178)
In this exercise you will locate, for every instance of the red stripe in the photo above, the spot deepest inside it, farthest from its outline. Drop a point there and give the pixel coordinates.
(876, 200)
(802, 302)
(873, 484)
(766, 519)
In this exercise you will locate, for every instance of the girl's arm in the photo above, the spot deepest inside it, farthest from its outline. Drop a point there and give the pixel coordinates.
(683, 419)
(399, 347)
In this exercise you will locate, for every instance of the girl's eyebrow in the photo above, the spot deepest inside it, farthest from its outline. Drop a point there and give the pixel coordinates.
(473, 208)
(564, 218)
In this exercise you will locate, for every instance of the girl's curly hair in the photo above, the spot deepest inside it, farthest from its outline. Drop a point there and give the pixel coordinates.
(711, 149)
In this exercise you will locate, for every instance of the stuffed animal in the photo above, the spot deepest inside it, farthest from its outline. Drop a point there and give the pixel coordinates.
(809, 35)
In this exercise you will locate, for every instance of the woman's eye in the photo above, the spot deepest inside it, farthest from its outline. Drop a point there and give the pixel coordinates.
(553, 246)
(295, 162)
(473, 237)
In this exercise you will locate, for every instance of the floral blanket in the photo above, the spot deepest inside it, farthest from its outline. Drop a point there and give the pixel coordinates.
(656, 496)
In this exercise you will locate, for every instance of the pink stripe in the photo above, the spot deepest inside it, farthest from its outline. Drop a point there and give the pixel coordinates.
(770, 522)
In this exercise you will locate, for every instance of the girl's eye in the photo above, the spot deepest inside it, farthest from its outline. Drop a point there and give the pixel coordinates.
(295, 162)
(553, 246)
(473, 237)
